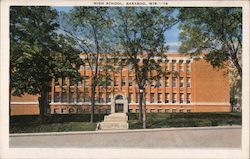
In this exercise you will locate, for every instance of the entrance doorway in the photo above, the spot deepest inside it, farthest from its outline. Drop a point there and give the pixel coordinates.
(119, 108)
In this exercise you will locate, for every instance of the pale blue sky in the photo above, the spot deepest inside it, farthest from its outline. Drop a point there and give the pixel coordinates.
(171, 35)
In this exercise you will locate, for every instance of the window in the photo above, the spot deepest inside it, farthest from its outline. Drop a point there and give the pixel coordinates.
(166, 109)
(79, 98)
(159, 83)
(152, 100)
(130, 81)
(181, 110)
(189, 98)
(130, 67)
(71, 83)
(63, 110)
(108, 98)
(79, 83)
(152, 110)
(56, 97)
(63, 82)
(86, 110)
(71, 97)
(81, 68)
(181, 98)
(129, 97)
(181, 81)
(86, 97)
(100, 98)
(167, 82)
(86, 80)
(123, 81)
(137, 98)
(181, 65)
(137, 110)
(130, 110)
(116, 81)
(167, 66)
(174, 65)
(188, 110)
(166, 97)
(174, 110)
(56, 110)
(107, 111)
(108, 82)
(100, 110)
(188, 82)
(71, 110)
(174, 98)
(79, 110)
(159, 110)
(174, 82)
(152, 81)
(159, 98)
(56, 82)
(188, 66)
(64, 98)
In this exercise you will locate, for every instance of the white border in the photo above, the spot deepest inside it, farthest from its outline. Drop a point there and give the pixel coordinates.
(119, 153)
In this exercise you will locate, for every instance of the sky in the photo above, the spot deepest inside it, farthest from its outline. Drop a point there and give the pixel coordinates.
(171, 34)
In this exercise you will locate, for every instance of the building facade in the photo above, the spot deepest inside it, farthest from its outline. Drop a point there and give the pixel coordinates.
(196, 87)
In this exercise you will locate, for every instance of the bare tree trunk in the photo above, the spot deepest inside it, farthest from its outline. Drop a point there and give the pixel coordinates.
(140, 106)
(144, 112)
(92, 103)
(43, 105)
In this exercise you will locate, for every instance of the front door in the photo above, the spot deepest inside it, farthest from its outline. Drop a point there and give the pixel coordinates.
(119, 108)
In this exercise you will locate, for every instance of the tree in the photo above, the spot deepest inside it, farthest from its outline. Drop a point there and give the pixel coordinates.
(88, 26)
(37, 53)
(217, 31)
(141, 35)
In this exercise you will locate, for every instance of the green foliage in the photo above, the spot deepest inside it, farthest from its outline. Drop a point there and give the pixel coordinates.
(217, 31)
(164, 120)
(37, 52)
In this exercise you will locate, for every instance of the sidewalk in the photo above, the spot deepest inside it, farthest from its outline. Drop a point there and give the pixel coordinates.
(200, 137)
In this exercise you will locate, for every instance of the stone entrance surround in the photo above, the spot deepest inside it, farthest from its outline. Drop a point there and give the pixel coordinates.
(119, 99)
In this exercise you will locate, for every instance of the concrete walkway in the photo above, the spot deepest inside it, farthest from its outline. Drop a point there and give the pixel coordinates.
(202, 137)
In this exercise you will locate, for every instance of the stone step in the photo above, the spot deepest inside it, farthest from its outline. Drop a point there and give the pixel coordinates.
(115, 119)
(113, 126)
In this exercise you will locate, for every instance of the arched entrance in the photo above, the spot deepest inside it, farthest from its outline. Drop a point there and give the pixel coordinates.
(119, 104)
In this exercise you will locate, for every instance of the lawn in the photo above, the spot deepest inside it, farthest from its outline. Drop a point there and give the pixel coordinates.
(80, 122)
(55, 127)
(166, 120)
(53, 123)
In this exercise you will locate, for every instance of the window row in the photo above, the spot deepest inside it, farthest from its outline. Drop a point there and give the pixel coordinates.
(123, 81)
(81, 97)
(172, 100)
(101, 99)
(79, 110)
(159, 110)
(175, 65)
(107, 111)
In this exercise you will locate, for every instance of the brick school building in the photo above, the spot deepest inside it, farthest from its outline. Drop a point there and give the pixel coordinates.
(198, 87)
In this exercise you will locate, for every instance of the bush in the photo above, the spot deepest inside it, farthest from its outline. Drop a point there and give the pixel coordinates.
(164, 120)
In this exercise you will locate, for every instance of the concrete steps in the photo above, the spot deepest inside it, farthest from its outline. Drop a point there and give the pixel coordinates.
(115, 121)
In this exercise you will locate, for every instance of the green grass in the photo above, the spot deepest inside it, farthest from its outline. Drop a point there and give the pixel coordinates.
(165, 120)
(55, 127)
(80, 122)
(53, 123)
